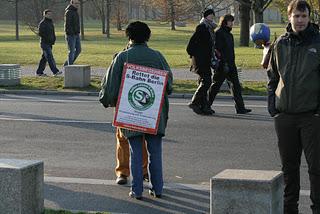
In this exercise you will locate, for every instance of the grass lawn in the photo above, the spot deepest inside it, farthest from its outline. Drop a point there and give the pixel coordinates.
(179, 86)
(97, 50)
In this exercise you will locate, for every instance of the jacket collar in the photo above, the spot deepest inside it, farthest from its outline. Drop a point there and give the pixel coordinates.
(308, 33)
(131, 44)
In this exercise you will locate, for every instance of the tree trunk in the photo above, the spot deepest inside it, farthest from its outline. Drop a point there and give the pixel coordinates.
(103, 17)
(244, 25)
(172, 14)
(108, 18)
(258, 16)
(119, 27)
(257, 11)
(81, 20)
(17, 20)
(129, 10)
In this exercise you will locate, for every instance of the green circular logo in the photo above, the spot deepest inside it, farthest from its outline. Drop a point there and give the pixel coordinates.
(141, 96)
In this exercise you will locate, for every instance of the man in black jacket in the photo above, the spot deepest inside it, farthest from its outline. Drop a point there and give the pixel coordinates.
(294, 102)
(227, 67)
(47, 39)
(72, 30)
(201, 50)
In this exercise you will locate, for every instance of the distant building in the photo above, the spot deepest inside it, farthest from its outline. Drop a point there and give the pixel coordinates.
(272, 14)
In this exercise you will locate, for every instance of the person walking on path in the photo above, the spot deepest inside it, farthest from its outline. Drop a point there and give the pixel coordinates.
(294, 102)
(227, 68)
(72, 31)
(122, 169)
(201, 50)
(139, 53)
(47, 40)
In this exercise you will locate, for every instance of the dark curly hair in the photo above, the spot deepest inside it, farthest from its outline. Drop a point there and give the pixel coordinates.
(138, 31)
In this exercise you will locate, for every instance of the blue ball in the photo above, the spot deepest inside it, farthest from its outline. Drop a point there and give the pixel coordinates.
(259, 33)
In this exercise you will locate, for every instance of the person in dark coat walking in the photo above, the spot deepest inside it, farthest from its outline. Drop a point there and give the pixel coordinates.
(47, 39)
(72, 30)
(201, 50)
(227, 67)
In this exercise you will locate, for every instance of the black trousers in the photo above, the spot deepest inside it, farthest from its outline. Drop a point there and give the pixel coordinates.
(200, 97)
(234, 84)
(297, 133)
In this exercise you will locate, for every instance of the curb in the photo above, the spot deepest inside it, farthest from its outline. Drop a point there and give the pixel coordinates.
(92, 93)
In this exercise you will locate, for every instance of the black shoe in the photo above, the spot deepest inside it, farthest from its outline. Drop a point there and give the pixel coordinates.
(196, 108)
(146, 178)
(152, 193)
(133, 195)
(244, 111)
(208, 111)
(121, 180)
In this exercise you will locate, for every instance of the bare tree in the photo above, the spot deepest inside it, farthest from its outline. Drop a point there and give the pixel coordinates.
(16, 5)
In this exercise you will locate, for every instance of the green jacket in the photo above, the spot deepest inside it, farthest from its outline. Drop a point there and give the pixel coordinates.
(294, 72)
(139, 54)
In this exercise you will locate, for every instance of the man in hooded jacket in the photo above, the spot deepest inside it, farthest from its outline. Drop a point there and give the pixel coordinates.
(294, 102)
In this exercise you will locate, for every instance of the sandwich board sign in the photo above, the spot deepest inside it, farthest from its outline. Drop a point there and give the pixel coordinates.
(140, 98)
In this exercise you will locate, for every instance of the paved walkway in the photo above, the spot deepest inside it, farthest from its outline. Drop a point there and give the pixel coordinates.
(178, 73)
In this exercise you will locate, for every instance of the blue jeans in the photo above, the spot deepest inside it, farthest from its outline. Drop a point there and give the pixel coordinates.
(74, 47)
(154, 148)
(47, 56)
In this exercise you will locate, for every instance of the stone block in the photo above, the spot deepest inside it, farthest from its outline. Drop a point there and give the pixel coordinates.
(10, 74)
(21, 186)
(77, 76)
(246, 192)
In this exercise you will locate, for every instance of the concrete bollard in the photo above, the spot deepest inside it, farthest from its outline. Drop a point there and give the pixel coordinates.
(77, 76)
(10, 74)
(21, 186)
(246, 192)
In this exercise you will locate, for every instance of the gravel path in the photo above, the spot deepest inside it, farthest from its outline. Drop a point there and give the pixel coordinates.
(178, 73)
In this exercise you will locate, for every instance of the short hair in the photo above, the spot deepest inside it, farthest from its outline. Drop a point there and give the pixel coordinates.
(138, 31)
(46, 11)
(224, 19)
(300, 5)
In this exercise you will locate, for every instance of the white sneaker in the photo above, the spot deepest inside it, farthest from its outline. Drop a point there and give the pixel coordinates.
(57, 74)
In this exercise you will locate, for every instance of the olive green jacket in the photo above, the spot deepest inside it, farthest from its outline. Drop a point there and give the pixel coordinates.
(139, 54)
(294, 72)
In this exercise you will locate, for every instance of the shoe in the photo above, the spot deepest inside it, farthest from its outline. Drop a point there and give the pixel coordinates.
(146, 178)
(208, 111)
(153, 194)
(133, 195)
(57, 74)
(244, 111)
(121, 180)
(41, 75)
(196, 108)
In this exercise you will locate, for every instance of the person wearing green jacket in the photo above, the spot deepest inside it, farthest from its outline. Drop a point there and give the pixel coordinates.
(139, 53)
(294, 102)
